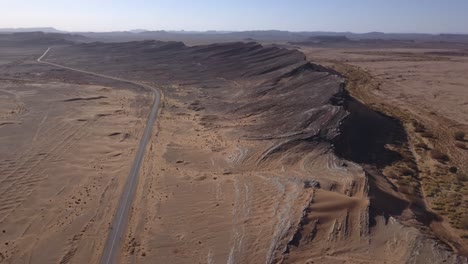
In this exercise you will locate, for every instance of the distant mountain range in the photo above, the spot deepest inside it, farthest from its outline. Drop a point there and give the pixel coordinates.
(41, 29)
(256, 35)
(39, 38)
(137, 30)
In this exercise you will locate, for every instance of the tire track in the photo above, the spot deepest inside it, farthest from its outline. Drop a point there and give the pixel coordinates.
(23, 182)
(27, 156)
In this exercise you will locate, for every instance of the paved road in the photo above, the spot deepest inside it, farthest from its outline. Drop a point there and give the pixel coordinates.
(119, 223)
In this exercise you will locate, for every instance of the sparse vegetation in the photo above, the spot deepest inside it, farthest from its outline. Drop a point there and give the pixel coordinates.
(453, 169)
(418, 127)
(431, 191)
(462, 177)
(407, 171)
(392, 175)
(464, 222)
(446, 191)
(439, 156)
(459, 135)
(428, 134)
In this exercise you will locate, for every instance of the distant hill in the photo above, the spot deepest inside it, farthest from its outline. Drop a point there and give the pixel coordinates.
(256, 35)
(41, 29)
(39, 38)
(271, 36)
(138, 30)
(329, 39)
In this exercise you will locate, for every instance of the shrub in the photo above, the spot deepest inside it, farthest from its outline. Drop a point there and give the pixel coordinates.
(460, 145)
(464, 222)
(428, 134)
(407, 172)
(462, 177)
(453, 169)
(403, 181)
(418, 127)
(422, 146)
(392, 175)
(459, 135)
(438, 155)
(433, 191)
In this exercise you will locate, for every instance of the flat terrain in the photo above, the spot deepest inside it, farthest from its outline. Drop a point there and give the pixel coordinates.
(67, 142)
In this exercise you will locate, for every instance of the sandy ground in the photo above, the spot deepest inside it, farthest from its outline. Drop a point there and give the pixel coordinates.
(66, 150)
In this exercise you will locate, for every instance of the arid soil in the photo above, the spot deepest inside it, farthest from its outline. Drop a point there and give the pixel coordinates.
(66, 145)
(427, 90)
(263, 157)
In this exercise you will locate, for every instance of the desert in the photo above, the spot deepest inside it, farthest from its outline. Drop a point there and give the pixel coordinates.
(259, 146)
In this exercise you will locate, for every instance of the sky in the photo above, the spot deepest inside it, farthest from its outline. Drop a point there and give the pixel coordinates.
(391, 16)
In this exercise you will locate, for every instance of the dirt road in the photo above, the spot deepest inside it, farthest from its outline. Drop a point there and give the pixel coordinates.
(119, 223)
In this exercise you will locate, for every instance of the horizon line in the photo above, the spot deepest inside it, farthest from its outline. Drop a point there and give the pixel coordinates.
(220, 31)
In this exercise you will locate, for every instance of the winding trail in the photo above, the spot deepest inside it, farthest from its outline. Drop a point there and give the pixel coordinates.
(119, 223)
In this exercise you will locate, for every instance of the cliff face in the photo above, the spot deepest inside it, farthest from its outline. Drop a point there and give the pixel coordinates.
(300, 159)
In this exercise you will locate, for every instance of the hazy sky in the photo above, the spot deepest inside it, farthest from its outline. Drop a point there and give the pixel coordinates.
(431, 16)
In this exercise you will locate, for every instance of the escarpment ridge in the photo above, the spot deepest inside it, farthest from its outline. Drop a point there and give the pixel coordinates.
(293, 164)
